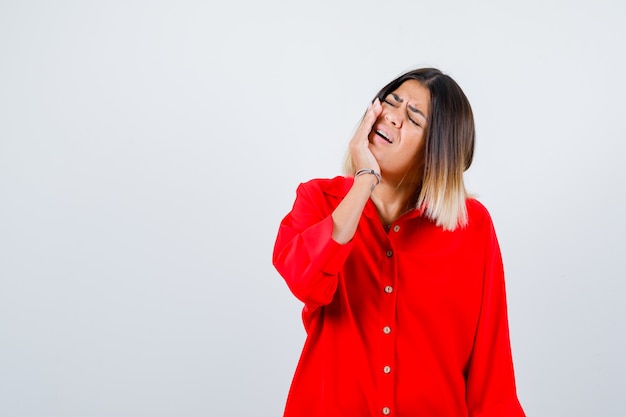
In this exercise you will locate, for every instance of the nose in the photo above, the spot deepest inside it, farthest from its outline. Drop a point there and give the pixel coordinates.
(393, 118)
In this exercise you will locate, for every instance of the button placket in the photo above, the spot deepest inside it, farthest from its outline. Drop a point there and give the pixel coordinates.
(387, 323)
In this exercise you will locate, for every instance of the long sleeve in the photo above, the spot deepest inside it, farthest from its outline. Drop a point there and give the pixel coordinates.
(491, 388)
(304, 253)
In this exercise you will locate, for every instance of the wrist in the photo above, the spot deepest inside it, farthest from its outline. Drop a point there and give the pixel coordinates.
(373, 176)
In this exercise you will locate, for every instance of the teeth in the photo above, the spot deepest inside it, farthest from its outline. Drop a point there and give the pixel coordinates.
(381, 133)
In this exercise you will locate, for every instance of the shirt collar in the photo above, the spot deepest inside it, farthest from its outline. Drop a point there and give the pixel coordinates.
(339, 187)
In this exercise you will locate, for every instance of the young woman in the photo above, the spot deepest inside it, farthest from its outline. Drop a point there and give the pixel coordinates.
(399, 270)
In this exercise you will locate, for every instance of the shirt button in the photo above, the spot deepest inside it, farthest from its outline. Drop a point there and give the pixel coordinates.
(386, 411)
(389, 254)
(396, 228)
(386, 329)
(387, 369)
(388, 289)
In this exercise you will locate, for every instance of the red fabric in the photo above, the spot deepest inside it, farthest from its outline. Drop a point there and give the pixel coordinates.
(447, 345)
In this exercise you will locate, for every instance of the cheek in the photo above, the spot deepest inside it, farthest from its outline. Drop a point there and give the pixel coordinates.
(414, 142)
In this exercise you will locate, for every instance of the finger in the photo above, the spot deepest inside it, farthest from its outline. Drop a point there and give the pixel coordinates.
(372, 113)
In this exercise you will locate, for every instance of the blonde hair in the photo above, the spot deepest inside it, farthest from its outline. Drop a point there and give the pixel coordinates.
(448, 148)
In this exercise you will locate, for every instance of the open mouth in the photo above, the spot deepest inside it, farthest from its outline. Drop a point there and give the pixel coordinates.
(383, 135)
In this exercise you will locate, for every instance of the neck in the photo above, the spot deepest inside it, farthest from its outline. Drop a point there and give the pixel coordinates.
(392, 200)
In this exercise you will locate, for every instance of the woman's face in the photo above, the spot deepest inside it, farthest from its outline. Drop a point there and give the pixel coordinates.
(397, 138)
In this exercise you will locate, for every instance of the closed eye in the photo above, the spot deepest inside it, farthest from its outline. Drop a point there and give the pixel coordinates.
(414, 122)
(393, 100)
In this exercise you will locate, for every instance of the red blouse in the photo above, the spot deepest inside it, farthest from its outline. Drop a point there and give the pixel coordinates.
(406, 322)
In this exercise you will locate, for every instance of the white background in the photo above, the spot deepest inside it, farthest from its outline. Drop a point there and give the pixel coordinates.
(148, 151)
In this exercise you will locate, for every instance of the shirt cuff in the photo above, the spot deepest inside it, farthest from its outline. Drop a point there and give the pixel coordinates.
(328, 255)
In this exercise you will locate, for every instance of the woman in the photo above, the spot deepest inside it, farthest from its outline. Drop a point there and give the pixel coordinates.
(399, 270)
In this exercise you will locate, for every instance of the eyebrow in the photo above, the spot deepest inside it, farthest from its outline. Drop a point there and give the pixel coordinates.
(418, 111)
(397, 98)
(413, 109)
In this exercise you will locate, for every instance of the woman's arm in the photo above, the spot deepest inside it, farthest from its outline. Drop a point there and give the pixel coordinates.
(347, 214)
(312, 246)
(305, 254)
(491, 388)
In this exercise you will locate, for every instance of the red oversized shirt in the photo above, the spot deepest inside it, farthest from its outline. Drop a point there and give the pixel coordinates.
(410, 322)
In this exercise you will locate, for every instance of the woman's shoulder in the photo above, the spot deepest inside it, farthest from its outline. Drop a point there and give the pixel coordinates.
(477, 213)
(475, 205)
(337, 186)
